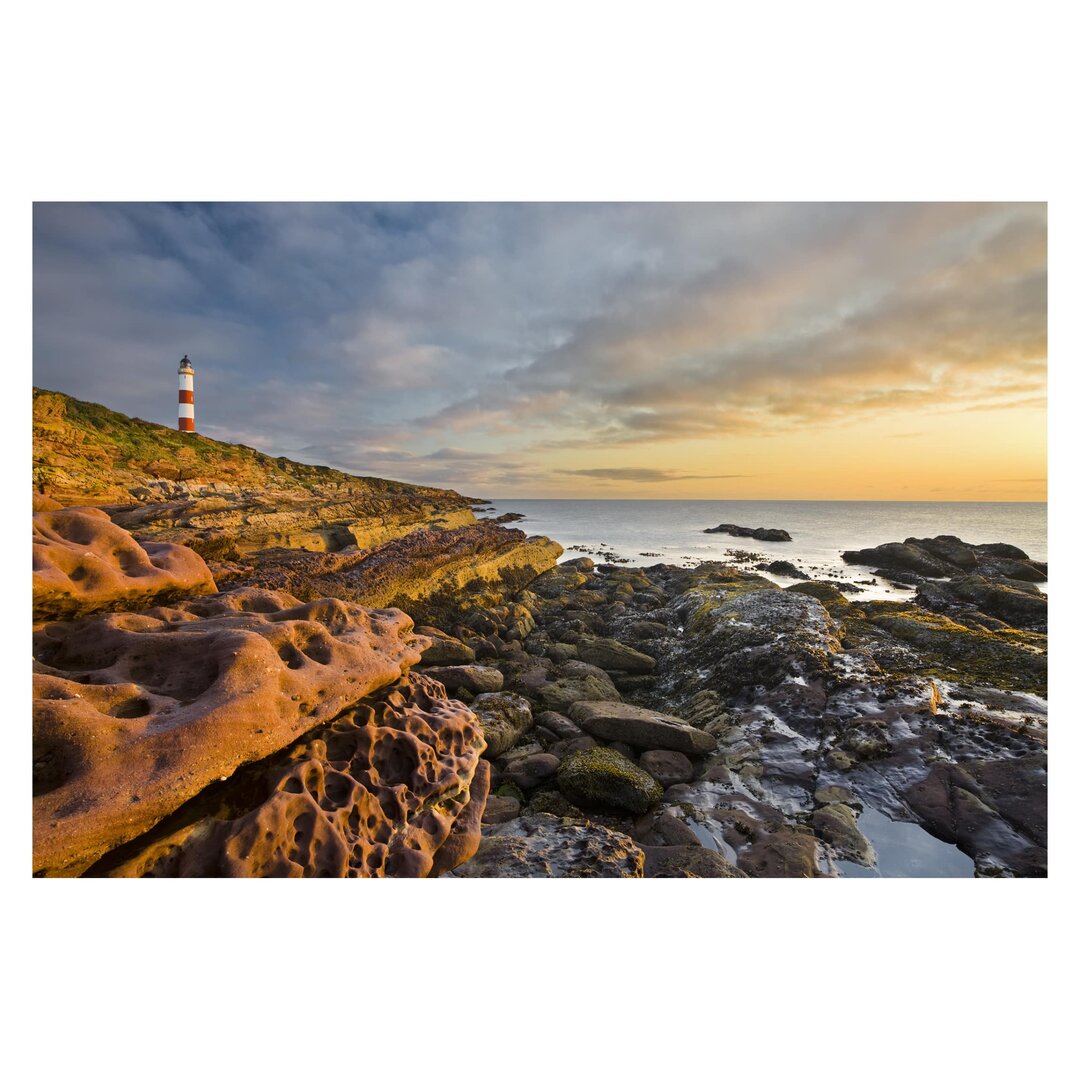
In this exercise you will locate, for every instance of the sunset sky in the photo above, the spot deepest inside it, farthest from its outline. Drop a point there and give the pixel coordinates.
(802, 351)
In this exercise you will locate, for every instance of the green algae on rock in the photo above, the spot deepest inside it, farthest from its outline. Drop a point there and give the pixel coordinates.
(603, 779)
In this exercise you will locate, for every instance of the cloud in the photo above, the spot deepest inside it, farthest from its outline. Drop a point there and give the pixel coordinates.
(648, 476)
(508, 344)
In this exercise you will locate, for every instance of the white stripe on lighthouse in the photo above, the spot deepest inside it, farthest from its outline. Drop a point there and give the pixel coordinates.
(187, 382)
(187, 411)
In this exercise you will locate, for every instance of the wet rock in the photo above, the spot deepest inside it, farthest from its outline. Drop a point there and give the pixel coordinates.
(541, 845)
(759, 637)
(837, 826)
(663, 828)
(994, 811)
(472, 677)
(834, 793)
(553, 802)
(604, 779)
(692, 861)
(949, 557)
(780, 852)
(753, 534)
(645, 728)
(783, 568)
(646, 630)
(667, 767)
(505, 718)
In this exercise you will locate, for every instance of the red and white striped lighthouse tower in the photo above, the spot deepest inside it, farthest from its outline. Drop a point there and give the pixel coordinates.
(186, 420)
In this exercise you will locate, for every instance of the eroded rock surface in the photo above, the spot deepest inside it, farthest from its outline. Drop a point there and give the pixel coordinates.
(393, 787)
(136, 713)
(83, 563)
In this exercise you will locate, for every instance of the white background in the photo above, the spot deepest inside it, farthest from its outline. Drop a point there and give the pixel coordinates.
(604, 101)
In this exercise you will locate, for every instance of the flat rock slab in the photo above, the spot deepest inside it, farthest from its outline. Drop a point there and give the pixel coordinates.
(616, 721)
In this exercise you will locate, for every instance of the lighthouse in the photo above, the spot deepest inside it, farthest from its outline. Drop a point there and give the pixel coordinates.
(186, 416)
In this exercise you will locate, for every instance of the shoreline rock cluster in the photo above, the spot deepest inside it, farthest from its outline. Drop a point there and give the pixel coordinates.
(455, 701)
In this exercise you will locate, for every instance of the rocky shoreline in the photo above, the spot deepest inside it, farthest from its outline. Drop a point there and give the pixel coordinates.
(326, 678)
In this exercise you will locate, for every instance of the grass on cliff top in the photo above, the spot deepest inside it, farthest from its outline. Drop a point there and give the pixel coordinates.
(73, 437)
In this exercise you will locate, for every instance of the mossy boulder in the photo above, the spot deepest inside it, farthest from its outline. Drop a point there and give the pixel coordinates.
(602, 779)
(504, 718)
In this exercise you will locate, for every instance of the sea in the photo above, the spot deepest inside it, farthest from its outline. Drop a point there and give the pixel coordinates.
(649, 531)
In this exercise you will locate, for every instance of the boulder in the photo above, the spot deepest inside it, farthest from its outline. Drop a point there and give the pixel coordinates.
(544, 846)
(612, 655)
(667, 767)
(83, 564)
(752, 534)
(615, 721)
(574, 681)
(603, 779)
(837, 825)
(475, 678)
(690, 861)
(530, 772)
(136, 713)
(505, 718)
(445, 649)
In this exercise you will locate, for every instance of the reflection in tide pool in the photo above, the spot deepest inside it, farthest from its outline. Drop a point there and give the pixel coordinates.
(906, 850)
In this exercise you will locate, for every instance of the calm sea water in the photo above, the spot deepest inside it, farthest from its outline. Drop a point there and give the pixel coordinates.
(647, 531)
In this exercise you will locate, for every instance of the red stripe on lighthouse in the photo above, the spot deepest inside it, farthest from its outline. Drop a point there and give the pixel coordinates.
(187, 397)
(186, 423)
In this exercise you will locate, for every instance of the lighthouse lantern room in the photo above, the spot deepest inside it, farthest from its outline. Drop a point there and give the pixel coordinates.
(186, 420)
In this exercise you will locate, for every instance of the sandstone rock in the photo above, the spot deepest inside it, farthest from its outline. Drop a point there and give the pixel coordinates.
(191, 487)
(83, 563)
(135, 714)
(445, 649)
(432, 574)
(612, 655)
(505, 718)
(393, 787)
(667, 767)
(472, 677)
(603, 779)
(615, 720)
(543, 846)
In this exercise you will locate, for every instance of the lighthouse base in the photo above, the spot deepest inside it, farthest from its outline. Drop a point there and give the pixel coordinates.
(186, 424)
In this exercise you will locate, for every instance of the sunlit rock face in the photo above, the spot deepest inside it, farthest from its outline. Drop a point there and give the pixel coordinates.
(136, 713)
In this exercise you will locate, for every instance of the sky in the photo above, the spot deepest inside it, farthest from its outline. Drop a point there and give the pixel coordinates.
(599, 350)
